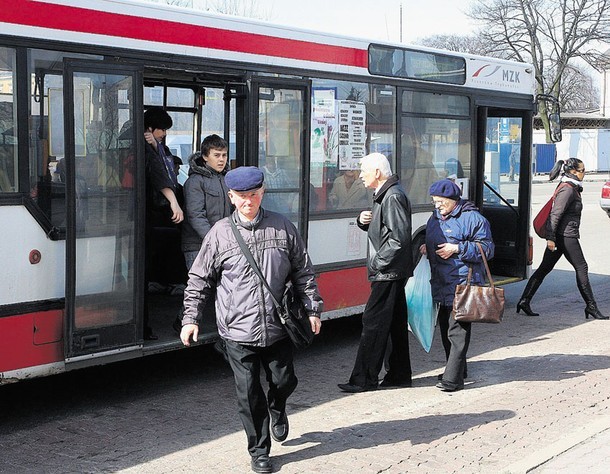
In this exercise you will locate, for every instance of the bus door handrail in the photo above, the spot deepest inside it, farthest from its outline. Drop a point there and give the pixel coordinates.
(501, 198)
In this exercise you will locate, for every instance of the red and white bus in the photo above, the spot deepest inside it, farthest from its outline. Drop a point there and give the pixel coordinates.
(75, 79)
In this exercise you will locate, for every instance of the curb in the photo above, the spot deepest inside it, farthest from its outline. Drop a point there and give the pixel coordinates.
(542, 456)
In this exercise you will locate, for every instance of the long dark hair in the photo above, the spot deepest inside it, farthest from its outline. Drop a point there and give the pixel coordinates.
(564, 167)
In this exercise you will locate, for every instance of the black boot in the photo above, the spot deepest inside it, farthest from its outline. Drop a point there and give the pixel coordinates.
(526, 297)
(591, 309)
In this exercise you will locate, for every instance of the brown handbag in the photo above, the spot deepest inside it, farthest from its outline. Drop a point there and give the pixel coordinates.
(478, 304)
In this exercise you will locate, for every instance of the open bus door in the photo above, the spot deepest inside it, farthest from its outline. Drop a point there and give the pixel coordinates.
(279, 133)
(103, 237)
(503, 195)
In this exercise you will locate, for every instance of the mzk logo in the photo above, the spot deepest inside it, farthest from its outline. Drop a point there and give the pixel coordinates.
(508, 75)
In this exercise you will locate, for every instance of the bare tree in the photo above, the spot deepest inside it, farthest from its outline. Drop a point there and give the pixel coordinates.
(550, 34)
(578, 91)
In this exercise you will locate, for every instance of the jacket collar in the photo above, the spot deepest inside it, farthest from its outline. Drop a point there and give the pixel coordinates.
(392, 180)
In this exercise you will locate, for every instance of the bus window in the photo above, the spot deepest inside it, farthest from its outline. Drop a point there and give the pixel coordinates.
(180, 103)
(433, 148)
(213, 118)
(502, 161)
(348, 121)
(279, 155)
(47, 172)
(8, 122)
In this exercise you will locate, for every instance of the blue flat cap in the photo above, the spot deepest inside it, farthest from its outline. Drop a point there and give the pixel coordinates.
(445, 188)
(244, 178)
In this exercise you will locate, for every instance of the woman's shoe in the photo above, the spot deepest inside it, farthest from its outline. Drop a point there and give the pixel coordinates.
(525, 306)
(591, 310)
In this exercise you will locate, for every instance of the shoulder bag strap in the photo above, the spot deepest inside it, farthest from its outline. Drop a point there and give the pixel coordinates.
(491, 282)
(250, 259)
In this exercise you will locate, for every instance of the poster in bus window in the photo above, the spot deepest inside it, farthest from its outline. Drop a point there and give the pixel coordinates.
(324, 126)
(352, 134)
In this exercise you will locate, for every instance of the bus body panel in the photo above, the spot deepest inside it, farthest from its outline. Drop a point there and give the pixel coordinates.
(29, 340)
(33, 342)
(23, 281)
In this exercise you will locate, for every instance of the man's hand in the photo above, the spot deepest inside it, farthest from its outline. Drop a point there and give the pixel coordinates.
(316, 324)
(366, 217)
(188, 331)
(150, 139)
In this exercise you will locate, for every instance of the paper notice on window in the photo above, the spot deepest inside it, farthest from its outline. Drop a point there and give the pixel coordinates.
(352, 134)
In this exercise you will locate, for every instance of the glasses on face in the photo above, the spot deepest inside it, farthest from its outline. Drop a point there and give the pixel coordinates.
(439, 202)
(580, 170)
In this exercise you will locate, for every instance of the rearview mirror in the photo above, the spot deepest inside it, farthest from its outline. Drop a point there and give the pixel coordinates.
(555, 127)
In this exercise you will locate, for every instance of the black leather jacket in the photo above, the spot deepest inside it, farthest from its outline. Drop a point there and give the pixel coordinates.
(389, 234)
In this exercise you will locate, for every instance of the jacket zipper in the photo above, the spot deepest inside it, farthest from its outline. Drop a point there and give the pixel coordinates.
(261, 287)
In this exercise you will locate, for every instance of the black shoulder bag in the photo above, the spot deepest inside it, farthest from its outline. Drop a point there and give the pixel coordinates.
(291, 312)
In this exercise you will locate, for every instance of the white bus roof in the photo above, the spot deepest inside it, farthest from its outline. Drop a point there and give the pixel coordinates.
(173, 30)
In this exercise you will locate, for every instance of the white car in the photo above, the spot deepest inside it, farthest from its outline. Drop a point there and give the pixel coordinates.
(604, 201)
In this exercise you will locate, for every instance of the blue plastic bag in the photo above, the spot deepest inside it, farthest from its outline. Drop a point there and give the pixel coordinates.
(421, 309)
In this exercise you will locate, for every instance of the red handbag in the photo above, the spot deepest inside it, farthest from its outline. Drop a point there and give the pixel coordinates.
(543, 216)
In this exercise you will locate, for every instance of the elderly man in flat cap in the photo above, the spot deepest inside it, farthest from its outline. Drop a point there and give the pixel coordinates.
(246, 317)
(451, 236)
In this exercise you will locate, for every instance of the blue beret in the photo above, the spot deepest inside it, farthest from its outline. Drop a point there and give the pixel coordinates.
(244, 178)
(445, 188)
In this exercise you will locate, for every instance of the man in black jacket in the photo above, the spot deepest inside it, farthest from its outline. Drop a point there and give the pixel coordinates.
(390, 263)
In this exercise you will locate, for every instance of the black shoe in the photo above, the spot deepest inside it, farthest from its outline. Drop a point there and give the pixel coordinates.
(392, 384)
(449, 388)
(261, 463)
(351, 388)
(591, 310)
(525, 306)
(440, 376)
(279, 427)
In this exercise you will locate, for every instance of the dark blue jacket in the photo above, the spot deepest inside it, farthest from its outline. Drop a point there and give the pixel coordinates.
(464, 226)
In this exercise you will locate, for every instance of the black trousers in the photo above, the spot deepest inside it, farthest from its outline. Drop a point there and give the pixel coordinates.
(385, 315)
(246, 362)
(570, 247)
(456, 339)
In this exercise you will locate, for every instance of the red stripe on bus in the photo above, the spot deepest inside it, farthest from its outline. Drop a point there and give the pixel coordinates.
(82, 20)
(344, 288)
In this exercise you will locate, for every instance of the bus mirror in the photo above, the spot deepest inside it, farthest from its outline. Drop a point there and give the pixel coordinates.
(555, 127)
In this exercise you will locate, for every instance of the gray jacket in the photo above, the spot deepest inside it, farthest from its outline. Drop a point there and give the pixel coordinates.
(206, 202)
(244, 311)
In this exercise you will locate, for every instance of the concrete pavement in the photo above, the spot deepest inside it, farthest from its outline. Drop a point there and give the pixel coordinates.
(537, 401)
(539, 387)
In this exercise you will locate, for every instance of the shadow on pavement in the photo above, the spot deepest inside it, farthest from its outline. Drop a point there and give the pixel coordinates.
(420, 430)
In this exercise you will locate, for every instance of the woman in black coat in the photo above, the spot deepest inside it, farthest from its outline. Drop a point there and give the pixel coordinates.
(562, 231)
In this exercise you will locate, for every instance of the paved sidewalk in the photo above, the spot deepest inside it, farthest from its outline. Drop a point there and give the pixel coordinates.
(537, 401)
(538, 388)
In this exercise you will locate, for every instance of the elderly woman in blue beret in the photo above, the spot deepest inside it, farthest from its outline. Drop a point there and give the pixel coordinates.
(452, 233)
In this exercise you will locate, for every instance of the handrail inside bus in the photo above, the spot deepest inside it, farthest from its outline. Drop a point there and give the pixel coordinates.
(501, 198)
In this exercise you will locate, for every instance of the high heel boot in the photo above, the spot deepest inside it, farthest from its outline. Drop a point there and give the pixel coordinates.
(591, 309)
(526, 297)
(594, 312)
